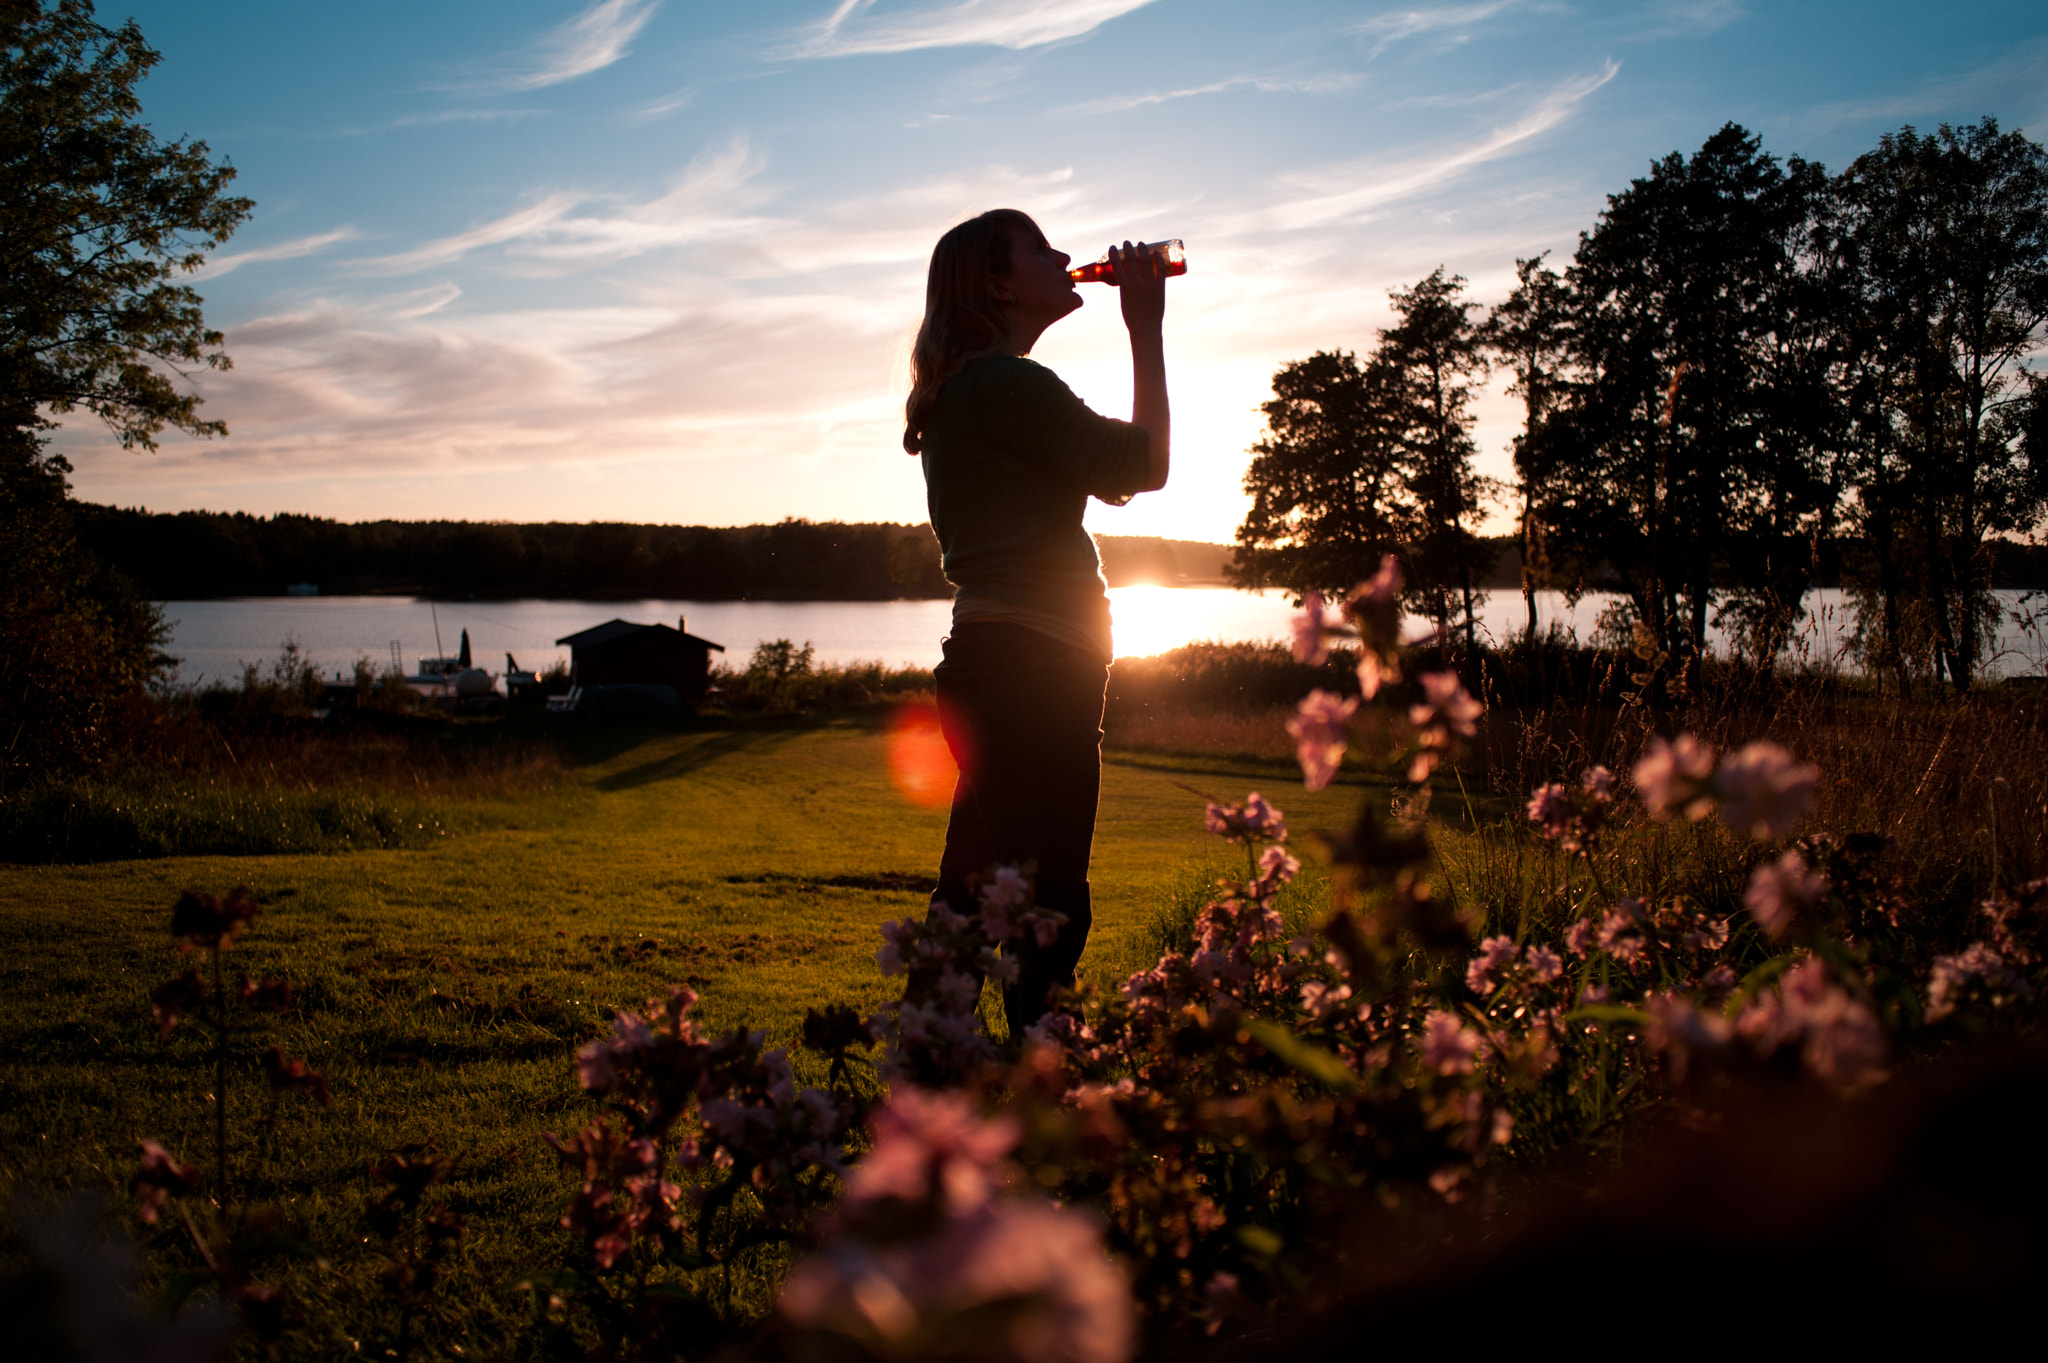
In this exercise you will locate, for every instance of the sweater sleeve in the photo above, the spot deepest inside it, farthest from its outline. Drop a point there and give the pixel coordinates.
(1047, 426)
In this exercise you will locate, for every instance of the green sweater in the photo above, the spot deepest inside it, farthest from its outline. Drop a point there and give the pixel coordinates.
(1011, 458)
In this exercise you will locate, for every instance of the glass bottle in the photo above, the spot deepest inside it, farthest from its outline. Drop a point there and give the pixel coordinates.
(1172, 252)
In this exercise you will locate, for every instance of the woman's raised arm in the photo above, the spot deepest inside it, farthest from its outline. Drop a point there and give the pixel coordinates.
(1141, 286)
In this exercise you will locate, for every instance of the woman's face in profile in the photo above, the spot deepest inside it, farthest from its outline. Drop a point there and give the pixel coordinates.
(1038, 282)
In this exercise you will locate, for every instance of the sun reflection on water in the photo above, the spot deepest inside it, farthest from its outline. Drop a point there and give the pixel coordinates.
(1149, 619)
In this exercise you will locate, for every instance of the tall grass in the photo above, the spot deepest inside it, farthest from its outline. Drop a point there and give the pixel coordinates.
(260, 768)
(93, 820)
(1958, 785)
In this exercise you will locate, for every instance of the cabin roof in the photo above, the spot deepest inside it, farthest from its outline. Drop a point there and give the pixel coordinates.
(611, 630)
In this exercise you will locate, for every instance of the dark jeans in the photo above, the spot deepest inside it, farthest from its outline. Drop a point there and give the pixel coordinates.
(1023, 716)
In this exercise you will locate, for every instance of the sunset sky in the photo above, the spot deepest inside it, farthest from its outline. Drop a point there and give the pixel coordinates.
(661, 261)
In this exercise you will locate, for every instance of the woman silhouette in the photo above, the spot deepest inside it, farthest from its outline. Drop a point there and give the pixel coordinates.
(1010, 459)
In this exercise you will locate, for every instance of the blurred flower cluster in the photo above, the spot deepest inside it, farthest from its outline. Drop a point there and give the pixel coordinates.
(727, 1109)
(934, 1033)
(940, 1248)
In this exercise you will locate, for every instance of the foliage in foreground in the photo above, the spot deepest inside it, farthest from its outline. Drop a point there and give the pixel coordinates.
(98, 218)
(1177, 1155)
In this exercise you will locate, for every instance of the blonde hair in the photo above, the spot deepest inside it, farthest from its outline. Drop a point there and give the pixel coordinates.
(961, 319)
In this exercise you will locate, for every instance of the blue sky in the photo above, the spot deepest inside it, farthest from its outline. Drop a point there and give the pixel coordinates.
(661, 260)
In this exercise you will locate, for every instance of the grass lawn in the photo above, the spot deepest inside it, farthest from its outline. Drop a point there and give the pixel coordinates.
(442, 990)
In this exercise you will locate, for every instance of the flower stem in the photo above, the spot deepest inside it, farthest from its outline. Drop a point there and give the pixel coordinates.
(220, 1080)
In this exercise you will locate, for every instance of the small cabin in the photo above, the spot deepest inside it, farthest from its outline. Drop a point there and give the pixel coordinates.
(621, 653)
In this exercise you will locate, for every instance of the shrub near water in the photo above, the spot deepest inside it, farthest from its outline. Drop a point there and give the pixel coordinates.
(782, 679)
(250, 769)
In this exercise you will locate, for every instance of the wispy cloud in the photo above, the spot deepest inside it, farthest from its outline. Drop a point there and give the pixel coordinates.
(230, 261)
(439, 116)
(1325, 84)
(667, 104)
(1346, 192)
(706, 202)
(854, 27)
(1686, 18)
(589, 42)
(1396, 25)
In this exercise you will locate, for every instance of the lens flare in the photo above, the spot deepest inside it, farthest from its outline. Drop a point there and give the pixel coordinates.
(919, 762)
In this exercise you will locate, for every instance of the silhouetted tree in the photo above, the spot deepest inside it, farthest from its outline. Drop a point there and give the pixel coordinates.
(1328, 480)
(1946, 242)
(1434, 355)
(97, 219)
(1529, 334)
(1674, 458)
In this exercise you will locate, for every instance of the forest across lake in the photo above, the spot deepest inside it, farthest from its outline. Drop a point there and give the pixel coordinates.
(214, 639)
(194, 555)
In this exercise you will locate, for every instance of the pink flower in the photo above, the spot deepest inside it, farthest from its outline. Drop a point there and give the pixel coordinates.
(1318, 729)
(1780, 889)
(1044, 925)
(1597, 783)
(1006, 889)
(1621, 934)
(1839, 1038)
(1312, 630)
(1678, 1030)
(1376, 670)
(630, 1032)
(1318, 997)
(1762, 792)
(932, 1143)
(594, 1067)
(895, 937)
(1673, 778)
(1448, 1045)
(1551, 809)
(1251, 821)
(1024, 1280)
(1276, 867)
(1544, 964)
(1446, 715)
(1494, 954)
(958, 990)
(1447, 709)
(159, 1178)
(1374, 606)
(1578, 938)
(1977, 971)
(1224, 1300)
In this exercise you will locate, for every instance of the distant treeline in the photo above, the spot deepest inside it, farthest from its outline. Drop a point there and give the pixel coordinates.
(196, 554)
(192, 555)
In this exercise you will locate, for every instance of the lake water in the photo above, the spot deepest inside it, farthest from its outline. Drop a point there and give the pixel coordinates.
(214, 638)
